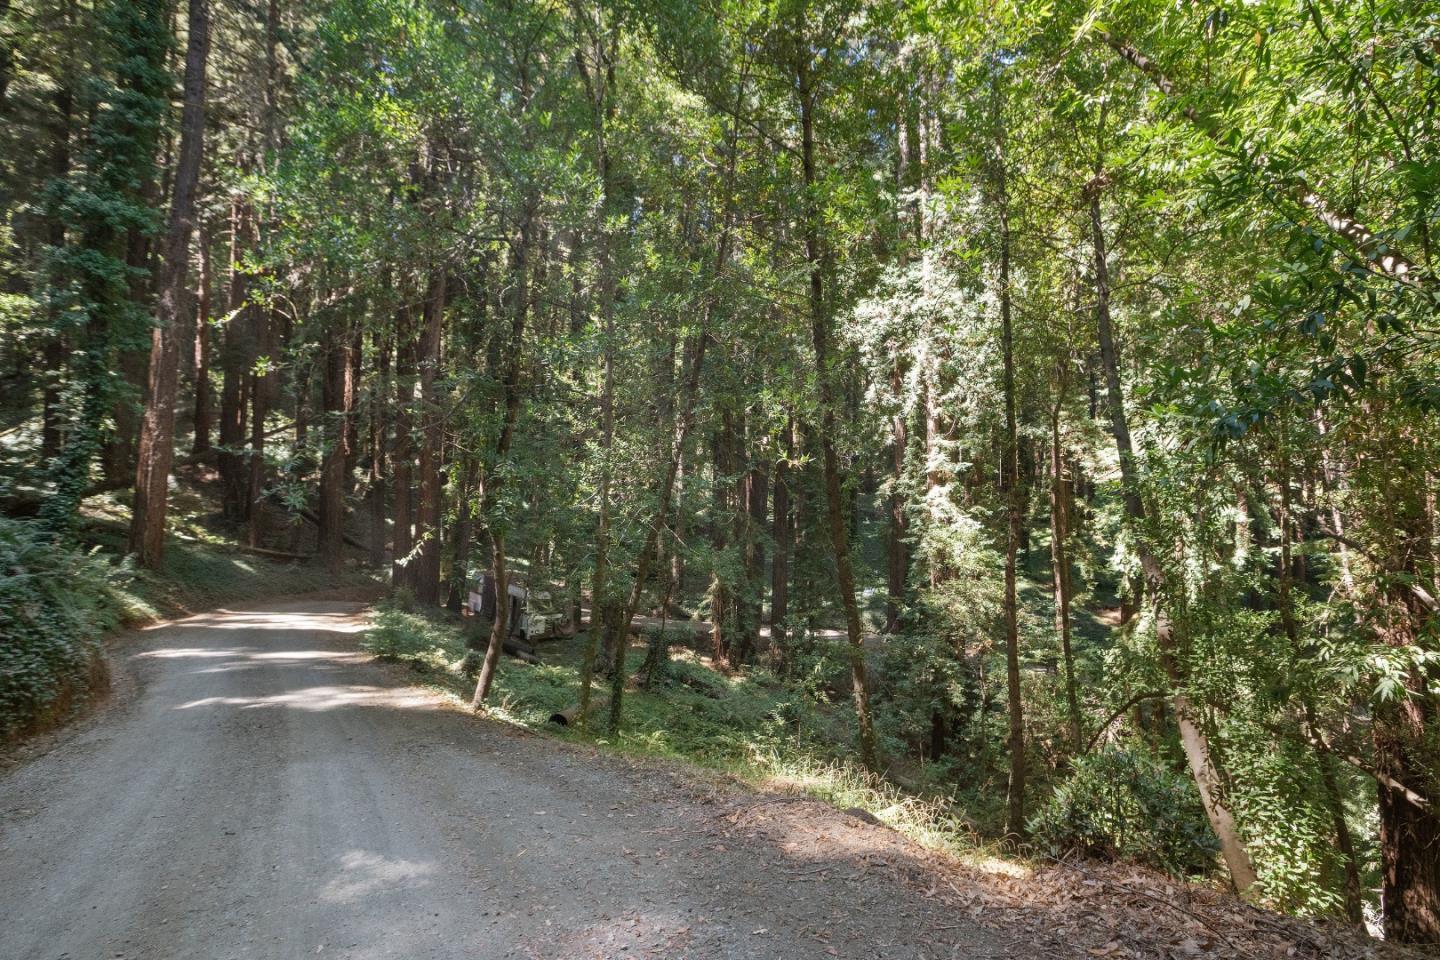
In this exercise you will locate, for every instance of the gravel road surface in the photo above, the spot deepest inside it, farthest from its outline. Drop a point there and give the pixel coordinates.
(264, 790)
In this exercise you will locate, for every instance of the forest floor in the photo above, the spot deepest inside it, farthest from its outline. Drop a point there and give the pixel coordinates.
(259, 787)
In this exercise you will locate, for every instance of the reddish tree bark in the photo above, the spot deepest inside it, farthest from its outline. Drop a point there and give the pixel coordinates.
(157, 437)
(332, 465)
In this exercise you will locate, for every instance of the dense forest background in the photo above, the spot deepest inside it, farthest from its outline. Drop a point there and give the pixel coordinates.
(1051, 385)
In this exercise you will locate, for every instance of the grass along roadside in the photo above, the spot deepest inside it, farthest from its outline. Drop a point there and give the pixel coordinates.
(753, 728)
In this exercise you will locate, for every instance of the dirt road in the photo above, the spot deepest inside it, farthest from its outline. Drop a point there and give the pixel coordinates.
(266, 792)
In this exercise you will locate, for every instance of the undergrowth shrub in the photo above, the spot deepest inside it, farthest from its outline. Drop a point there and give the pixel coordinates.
(55, 604)
(1281, 799)
(397, 634)
(1124, 805)
(530, 694)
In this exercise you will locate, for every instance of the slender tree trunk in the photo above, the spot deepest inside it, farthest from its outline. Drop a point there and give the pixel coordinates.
(820, 324)
(721, 639)
(236, 360)
(460, 560)
(1344, 840)
(621, 623)
(757, 503)
(897, 547)
(519, 312)
(1060, 562)
(1192, 735)
(353, 373)
(597, 639)
(594, 59)
(379, 428)
(679, 530)
(427, 527)
(937, 473)
(783, 534)
(157, 438)
(262, 389)
(332, 464)
(402, 570)
(740, 535)
(1404, 727)
(1011, 484)
(1409, 832)
(55, 346)
(120, 454)
(266, 323)
(204, 396)
(1331, 482)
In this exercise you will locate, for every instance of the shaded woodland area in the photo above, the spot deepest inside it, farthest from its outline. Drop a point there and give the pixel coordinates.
(1045, 393)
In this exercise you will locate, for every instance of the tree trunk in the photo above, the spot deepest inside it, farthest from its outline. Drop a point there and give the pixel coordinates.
(896, 547)
(620, 624)
(55, 346)
(1011, 484)
(1409, 833)
(937, 473)
(157, 439)
(594, 59)
(820, 331)
(427, 526)
(332, 464)
(353, 372)
(1060, 561)
(1192, 735)
(1403, 727)
(460, 541)
(519, 312)
(120, 455)
(679, 530)
(783, 534)
(1334, 801)
(757, 504)
(236, 360)
(379, 417)
(262, 389)
(597, 636)
(721, 623)
(401, 568)
(204, 396)
(1344, 840)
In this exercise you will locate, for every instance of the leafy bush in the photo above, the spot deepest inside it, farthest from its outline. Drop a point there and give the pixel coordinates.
(697, 677)
(1281, 798)
(54, 606)
(400, 635)
(1123, 805)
